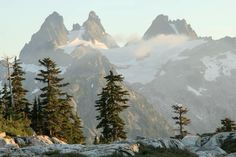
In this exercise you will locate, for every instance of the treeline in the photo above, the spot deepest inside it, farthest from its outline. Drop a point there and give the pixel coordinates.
(51, 113)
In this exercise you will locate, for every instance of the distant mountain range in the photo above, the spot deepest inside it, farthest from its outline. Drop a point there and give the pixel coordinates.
(171, 64)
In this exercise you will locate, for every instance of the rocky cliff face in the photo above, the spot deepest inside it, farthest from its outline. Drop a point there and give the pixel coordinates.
(51, 34)
(53, 38)
(95, 31)
(163, 26)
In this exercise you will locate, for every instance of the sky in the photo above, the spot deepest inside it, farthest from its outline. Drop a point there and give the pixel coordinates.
(123, 19)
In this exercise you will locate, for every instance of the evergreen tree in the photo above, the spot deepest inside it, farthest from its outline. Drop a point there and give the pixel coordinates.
(74, 133)
(180, 119)
(21, 104)
(112, 101)
(36, 116)
(12, 127)
(6, 103)
(55, 104)
(96, 140)
(2, 106)
(227, 125)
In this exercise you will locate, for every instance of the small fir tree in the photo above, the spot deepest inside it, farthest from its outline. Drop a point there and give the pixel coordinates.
(74, 133)
(96, 140)
(6, 103)
(180, 119)
(228, 125)
(37, 116)
(112, 101)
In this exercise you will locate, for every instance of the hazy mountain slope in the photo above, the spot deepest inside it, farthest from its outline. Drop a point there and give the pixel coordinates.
(204, 81)
(197, 73)
(86, 78)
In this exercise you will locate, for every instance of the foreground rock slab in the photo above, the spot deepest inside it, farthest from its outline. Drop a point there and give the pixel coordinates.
(37, 146)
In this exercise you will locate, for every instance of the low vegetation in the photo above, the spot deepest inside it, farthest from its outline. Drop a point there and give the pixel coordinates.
(149, 151)
(229, 145)
(56, 153)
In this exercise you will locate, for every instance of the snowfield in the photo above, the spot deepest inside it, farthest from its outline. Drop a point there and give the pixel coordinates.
(141, 62)
(76, 40)
(218, 65)
(35, 68)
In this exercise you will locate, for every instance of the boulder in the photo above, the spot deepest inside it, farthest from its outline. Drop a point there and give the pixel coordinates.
(57, 141)
(161, 143)
(20, 141)
(192, 140)
(108, 149)
(231, 155)
(2, 134)
(8, 143)
(210, 152)
(219, 138)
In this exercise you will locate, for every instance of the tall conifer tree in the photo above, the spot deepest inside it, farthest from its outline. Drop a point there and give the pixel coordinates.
(21, 104)
(56, 107)
(112, 101)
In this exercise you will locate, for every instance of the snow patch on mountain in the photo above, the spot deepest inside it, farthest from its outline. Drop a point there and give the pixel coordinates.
(76, 40)
(35, 68)
(1, 87)
(162, 73)
(174, 28)
(197, 92)
(218, 65)
(35, 90)
(142, 61)
(76, 34)
(31, 68)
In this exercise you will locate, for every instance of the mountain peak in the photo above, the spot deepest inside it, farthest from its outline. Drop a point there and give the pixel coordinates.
(76, 27)
(94, 19)
(51, 34)
(93, 16)
(52, 30)
(161, 17)
(95, 31)
(162, 25)
(55, 16)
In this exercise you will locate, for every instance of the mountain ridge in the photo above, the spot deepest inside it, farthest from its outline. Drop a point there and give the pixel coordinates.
(162, 25)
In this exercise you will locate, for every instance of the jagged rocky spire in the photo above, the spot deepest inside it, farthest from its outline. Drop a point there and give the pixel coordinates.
(162, 25)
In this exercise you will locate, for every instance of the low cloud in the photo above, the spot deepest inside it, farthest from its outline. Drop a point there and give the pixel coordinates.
(122, 39)
(145, 47)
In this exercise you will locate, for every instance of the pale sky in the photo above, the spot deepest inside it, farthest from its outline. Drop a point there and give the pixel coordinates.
(121, 18)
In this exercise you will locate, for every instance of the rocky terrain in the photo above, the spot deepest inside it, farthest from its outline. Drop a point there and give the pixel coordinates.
(204, 146)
